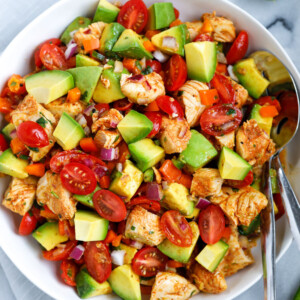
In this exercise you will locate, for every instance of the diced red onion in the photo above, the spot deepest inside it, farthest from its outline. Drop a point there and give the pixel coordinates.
(161, 57)
(136, 244)
(221, 58)
(113, 124)
(100, 171)
(165, 185)
(13, 134)
(118, 66)
(87, 130)
(71, 49)
(109, 154)
(88, 162)
(203, 203)
(231, 73)
(154, 191)
(119, 167)
(136, 78)
(89, 109)
(169, 42)
(117, 257)
(77, 252)
(81, 119)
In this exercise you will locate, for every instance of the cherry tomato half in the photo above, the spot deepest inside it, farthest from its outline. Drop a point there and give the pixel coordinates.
(224, 88)
(238, 49)
(211, 224)
(122, 105)
(148, 261)
(155, 118)
(203, 37)
(143, 201)
(154, 65)
(176, 228)
(170, 106)
(32, 134)
(270, 101)
(53, 57)
(69, 271)
(220, 119)
(102, 107)
(27, 224)
(3, 143)
(37, 58)
(176, 12)
(65, 228)
(238, 184)
(60, 253)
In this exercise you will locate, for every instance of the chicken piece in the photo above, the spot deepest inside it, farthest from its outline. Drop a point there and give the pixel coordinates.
(107, 120)
(206, 182)
(107, 138)
(190, 99)
(227, 140)
(253, 144)
(30, 110)
(50, 192)
(174, 135)
(20, 195)
(170, 286)
(144, 226)
(194, 28)
(142, 89)
(241, 94)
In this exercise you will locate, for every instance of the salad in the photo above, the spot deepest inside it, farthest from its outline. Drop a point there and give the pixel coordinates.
(135, 149)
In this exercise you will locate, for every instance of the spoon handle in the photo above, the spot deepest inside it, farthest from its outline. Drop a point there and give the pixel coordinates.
(291, 202)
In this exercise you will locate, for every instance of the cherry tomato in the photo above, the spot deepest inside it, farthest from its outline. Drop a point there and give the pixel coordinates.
(32, 134)
(53, 57)
(154, 65)
(37, 213)
(176, 228)
(16, 84)
(3, 143)
(175, 73)
(69, 271)
(224, 87)
(170, 106)
(220, 119)
(148, 261)
(238, 49)
(151, 205)
(238, 184)
(122, 105)
(203, 37)
(134, 15)
(102, 107)
(211, 224)
(37, 58)
(176, 12)
(60, 253)
(28, 224)
(5, 105)
(98, 260)
(65, 228)
(270, 101)
(155, 118)
(78, 179)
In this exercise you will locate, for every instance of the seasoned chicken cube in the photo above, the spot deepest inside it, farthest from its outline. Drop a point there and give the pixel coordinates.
(20, 195)
(253, 144)
(194, 28)
(170, 286)
(206, 182)
(107, 138)
(241, 94)
(142, 89)
(107, 120)
(226, 140)
(50, 192)
(189, 98)
(174, 135)
(144, 226)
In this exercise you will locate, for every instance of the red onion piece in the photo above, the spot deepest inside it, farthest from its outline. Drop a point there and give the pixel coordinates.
(136, 244)
(100, 171)
(113, 124)
(136, 78)
(203, 203)
(71, 49)
(88, 162)
(154, 191)
(160, 56)
(146, 85)
(182, 132)
(77, 252)
(109, 154)
(169, 42)
(89, 109)
(13, 134)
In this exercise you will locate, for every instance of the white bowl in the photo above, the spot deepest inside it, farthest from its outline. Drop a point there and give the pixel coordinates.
(18, 58)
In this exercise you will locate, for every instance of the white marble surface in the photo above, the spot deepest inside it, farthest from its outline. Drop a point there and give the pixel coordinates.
(281, 17)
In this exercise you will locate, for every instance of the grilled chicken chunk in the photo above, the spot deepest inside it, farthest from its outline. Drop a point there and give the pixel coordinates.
(194, 28)
(226, 140)
(107, 120)
(107, 138)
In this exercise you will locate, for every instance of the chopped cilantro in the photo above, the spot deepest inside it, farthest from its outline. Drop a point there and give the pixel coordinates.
(231, 111)
(138, 65)
(117, 137)
(151, 232)
(180, 93)
(147, 71)
(235, 190)
(22, 156)
(42, 121)
(132, 227)
(13, 83)
(98, 55)
(83, 96)
(54, 194)
(8, 199)
(46, 118)
(34, 149)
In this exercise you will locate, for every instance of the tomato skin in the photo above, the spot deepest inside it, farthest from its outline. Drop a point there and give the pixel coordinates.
(16, 84)
(3, 143)
(69, 271)
(5, 105)
(176, 12)
(270, 101)
(28, 224)
(224, 87)
(154, 65)
(65, 228)
(238, 184)
(211, 224)
(122, 105)
(37, 59)
(53, 57)
(148, 261)
(203, 37)
(60, 253)
(32, 134)
(238, 49)
(156, 119)
(170, 106)
(109, 206)
(176, 228)
(143, 201)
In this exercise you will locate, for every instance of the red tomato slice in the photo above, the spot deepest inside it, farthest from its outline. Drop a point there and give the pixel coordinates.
(143, 201)
(224, 87)
(109, 206)
(134, 15)
(220, 119)
(170, 106)
(37, 58)
(203, 37)
(238, 184)
(176, 228)
(28, 224)
(61, 252)
(122, 105)
(211, 224)
(238, 49)
(66, 229)
(69, 271)
(154, 65)
(53, 57)
(32, 134)
(3, 143)
(148, 261)
(155, 118)
(98, 260)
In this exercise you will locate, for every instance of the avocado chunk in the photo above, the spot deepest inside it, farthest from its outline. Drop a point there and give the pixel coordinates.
(250, 77)
(201, 60)
(106, 12)
(232, 166)
(85, 61)
(88, 287)
(195, 214)
(48, 235)
(181, 254)
(130, 253)
(146, 153)
(13, 166)
(160, 15)
(134, 127)
(47, 86)
(198, 152)
(246, 230)
(68, 132)
(178, 35)
(8, 129)
(211, 255)
(86, 79)
(89, 226)
(149, 175)
(263, 123)
(125, 283)
(130, 44)
(79, 22)
(87, 200)
(175, 197)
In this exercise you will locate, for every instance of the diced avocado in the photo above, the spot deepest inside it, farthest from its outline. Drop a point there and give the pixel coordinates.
(134, 127)
(232, 166)
(263, 123)
(68, 132)
(275, 187)
(160, 15)
(146, 153)
(47, 86)
(211, 255)
(175, 197)
(198, 152)
(181, 254)
(130, 44)
(201, 60)
(125, 283)
(246, 230)
(256, 184)
(149, 175)
(106, 12)
(250, 77)
(195, 214)
(89, 226)
(87, 199)
(130, 253)
(79, 22)
(85, 61)
(48, 235)
(128, 183)
(177, 163)
(179, 33)
(88, 287)
(13, 166)
(86, 79)
(8, 129)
